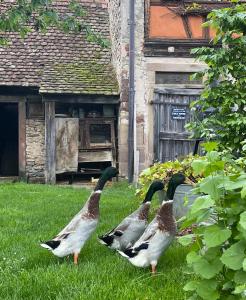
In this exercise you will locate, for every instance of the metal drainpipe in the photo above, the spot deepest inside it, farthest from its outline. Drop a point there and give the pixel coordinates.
(131, 98)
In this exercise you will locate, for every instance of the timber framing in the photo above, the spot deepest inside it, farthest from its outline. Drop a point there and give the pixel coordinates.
(159, 47)
(63, 98)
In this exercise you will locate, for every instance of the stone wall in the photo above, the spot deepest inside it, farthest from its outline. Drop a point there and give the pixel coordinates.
(35, 150)
(145, 70)
(114, 9)
(119, 30)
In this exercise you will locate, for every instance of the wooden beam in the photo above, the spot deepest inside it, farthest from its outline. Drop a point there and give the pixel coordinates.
(186, 26)
(22, 140)
(81, 99)
(12, 98)
(50, 168)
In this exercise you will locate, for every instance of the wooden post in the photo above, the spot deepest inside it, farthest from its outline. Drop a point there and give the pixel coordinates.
(22, 139)
(50, 168)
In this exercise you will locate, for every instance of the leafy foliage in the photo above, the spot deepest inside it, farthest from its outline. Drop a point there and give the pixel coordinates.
(23, 16)
(218, 251)
(164, 171)
(220, 113)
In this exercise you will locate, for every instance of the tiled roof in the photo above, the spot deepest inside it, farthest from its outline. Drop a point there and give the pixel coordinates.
(76, 78)
(58, 62)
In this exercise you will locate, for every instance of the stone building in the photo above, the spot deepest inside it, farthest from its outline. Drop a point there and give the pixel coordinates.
(58, 101)
(67, 105)
(165, 32)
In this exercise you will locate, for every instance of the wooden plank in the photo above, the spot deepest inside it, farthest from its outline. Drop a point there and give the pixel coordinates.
(22, 140)
(13, 99)
(95, 156)
(156, 129)
(50, 168)
(82, 99)
(174, 91)
(67, 144)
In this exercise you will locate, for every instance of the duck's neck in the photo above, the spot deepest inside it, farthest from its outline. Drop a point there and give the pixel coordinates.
(144, 211)
(100, 184)
(149, 195)
(93, 204)
(166, 217)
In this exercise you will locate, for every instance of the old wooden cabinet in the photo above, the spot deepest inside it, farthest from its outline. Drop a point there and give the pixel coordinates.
(97, 140)
(80, 142)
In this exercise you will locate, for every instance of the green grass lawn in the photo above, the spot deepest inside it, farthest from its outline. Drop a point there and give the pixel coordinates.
(30, 213)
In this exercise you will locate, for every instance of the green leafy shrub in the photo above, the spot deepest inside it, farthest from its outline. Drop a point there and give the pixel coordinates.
(217, 255)
(224, 81)
(164, 171)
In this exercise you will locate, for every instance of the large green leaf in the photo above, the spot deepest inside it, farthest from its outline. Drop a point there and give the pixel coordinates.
(210, 185)
(199, 166)
(207, 269)
(244, 264)
(201, 203)
(213, 156)
(243, 193)
(210, 146)
(192, 257)
(207, 290)
(186, 239)
(242, 221)
(215, 236)
(233, 257)
(240, 289)
(240, 277)
(233, 185)
(190, 286)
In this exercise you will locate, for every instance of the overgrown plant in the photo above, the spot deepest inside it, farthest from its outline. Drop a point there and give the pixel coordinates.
(217, 256)
(220, 113)
(164, 171)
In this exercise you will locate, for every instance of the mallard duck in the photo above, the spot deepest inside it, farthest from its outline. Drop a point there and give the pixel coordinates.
(158, 235)
(132, 227)
(73, 237)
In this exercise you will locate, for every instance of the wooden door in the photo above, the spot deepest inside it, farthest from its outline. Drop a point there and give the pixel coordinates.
(67, 143)
(171, 114)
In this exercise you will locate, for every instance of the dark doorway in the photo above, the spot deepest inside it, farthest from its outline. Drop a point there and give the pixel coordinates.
(9, 139)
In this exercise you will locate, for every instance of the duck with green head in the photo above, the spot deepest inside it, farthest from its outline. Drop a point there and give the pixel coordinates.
(73, 237)
(159, 234)
(130, 229)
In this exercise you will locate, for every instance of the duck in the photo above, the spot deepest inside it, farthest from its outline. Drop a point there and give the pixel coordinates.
(132, 227)
(158, 235)
(73, 237)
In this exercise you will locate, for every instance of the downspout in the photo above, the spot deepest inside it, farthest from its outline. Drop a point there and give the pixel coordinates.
(131, 99)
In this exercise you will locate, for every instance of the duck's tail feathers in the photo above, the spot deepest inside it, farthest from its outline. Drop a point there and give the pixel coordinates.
(132, 252)
(106, 240)
(124, 254)
(50, 245)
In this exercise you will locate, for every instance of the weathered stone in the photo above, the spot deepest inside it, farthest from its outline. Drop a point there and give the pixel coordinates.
(35, 150)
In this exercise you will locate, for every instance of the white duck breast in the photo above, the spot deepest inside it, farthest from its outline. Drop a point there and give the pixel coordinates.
(76, 240)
